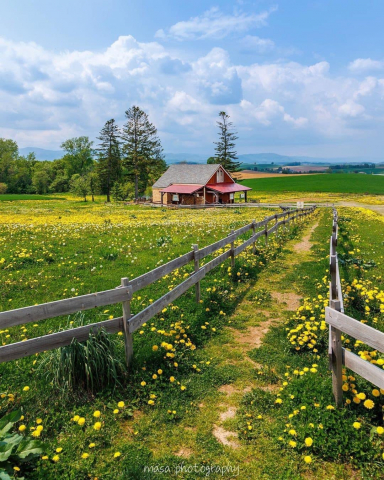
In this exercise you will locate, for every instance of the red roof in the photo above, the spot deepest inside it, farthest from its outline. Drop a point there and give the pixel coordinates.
(228, 187)
(182, 188)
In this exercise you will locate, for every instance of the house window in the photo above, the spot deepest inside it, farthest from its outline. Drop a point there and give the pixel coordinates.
(220, 176)
(175, 198)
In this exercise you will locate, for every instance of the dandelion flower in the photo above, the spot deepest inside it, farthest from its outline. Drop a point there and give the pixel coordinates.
(172, 379)
(56, 458)
(97, 413)
(369, 404)
(81, 421)
(121, 404)
(308, 441)
(356, 425)
(116, 454)
(22, 428)
(97, 426)
(25, 389)
(292, 443)
(85, 455)
(92, 445)
(116, 411)
(307, 459)
(59, 450)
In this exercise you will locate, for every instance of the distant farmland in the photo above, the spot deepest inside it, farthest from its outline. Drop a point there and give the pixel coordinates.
(332, 183)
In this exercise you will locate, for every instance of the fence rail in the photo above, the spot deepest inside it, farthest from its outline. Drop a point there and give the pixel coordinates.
(129, 323)
(339, 322)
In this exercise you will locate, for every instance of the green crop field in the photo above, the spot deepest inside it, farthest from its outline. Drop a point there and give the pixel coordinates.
(341, 183)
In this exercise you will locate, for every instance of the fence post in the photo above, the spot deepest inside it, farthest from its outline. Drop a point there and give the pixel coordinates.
(197, 267)
(128, 337)
(266, 234)
(232, 252)
(336, 358)
(253, 234)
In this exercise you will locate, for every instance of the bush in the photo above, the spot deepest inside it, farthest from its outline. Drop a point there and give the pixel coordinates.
(3, 188)
(88, 366)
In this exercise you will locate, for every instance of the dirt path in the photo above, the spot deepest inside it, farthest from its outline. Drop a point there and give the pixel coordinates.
(257, 323)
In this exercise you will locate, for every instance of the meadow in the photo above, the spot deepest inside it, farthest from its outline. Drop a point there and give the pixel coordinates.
(165, 409)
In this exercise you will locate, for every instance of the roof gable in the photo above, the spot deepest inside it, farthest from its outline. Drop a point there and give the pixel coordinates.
(190, 174)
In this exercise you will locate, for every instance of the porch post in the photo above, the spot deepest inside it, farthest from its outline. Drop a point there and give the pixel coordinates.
(162, 193)
(245, 196)
(204, 195)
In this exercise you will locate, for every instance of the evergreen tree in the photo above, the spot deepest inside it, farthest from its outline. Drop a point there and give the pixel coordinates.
(109, 162)
(142, 151)
(226, 154)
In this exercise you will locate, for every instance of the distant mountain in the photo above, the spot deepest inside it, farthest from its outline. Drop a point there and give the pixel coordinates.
(42, 153)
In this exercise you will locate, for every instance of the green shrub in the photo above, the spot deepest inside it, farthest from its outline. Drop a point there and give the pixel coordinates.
(88, 366)
(16, 451)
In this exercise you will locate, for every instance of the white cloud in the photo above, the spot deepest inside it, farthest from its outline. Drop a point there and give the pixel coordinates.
(252, 43)
(46, 97)
(215, 24)
(365, 64)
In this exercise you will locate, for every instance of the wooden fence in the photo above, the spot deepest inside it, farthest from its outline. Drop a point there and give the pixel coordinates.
(338, 323)
(129, 323)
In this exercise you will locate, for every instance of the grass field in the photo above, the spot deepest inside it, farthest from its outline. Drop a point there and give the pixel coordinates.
(12, 197)
(324, 183)
(189, 356)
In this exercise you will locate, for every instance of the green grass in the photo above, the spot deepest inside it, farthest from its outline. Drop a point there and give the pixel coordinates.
(331, 183)
(12, 197)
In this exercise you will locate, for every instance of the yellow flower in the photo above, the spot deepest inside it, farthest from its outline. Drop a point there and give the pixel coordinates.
(121, 404)
(380, 430)
(96, 413)
(45, 457)
(92, 445)
(278, 400)
(330, 407)
(362, 396)
(59, 450)
(22, 428)
(155, 348)
(116, 411)
(97, 426)
(159, 371)
(375, 393)
(116, 454)
(369, 404)
(56, 458)
(308, 441)
(81, 421)
(76, 418)
(292, 443)
(292, 432)
(183, 388)
(85, 455)
(154, 376)
(143, 383)
(172, 379)
(151, 402)
(307, 459)
(39, 420)
(25, 389)
(36, 433)
(356, 425)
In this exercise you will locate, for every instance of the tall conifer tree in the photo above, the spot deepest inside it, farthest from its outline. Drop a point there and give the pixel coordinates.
(109, 162)
(226, 154)
(142, 151)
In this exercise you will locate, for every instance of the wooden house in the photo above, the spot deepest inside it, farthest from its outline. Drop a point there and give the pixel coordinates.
(196, 185)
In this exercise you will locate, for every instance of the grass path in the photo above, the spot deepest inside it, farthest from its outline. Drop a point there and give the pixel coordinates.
(209, 433)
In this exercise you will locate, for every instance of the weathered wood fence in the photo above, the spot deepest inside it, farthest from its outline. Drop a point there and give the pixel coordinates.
(338, 323)
(129, 323)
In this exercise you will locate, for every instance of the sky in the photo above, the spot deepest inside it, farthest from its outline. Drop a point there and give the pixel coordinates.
(296, 78)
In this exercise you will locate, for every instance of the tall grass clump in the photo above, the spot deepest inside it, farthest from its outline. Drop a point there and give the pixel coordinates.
(84, 367)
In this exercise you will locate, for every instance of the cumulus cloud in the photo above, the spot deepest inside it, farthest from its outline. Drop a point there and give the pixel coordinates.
(46, 97)
(366, 64)
(215, 24)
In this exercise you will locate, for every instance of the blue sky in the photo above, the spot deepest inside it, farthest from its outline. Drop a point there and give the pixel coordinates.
(302, 77)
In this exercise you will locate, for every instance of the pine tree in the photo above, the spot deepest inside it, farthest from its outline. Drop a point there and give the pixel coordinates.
(226, 154)
(109, 162)
(142, 151)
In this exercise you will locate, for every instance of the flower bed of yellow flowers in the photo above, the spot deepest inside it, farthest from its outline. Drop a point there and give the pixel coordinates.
(302, 416)
(51, 251)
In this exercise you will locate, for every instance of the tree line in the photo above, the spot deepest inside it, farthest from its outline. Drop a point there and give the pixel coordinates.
(123, 164)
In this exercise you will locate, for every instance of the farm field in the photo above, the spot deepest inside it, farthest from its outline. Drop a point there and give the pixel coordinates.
(198, 392)
(326, 183)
